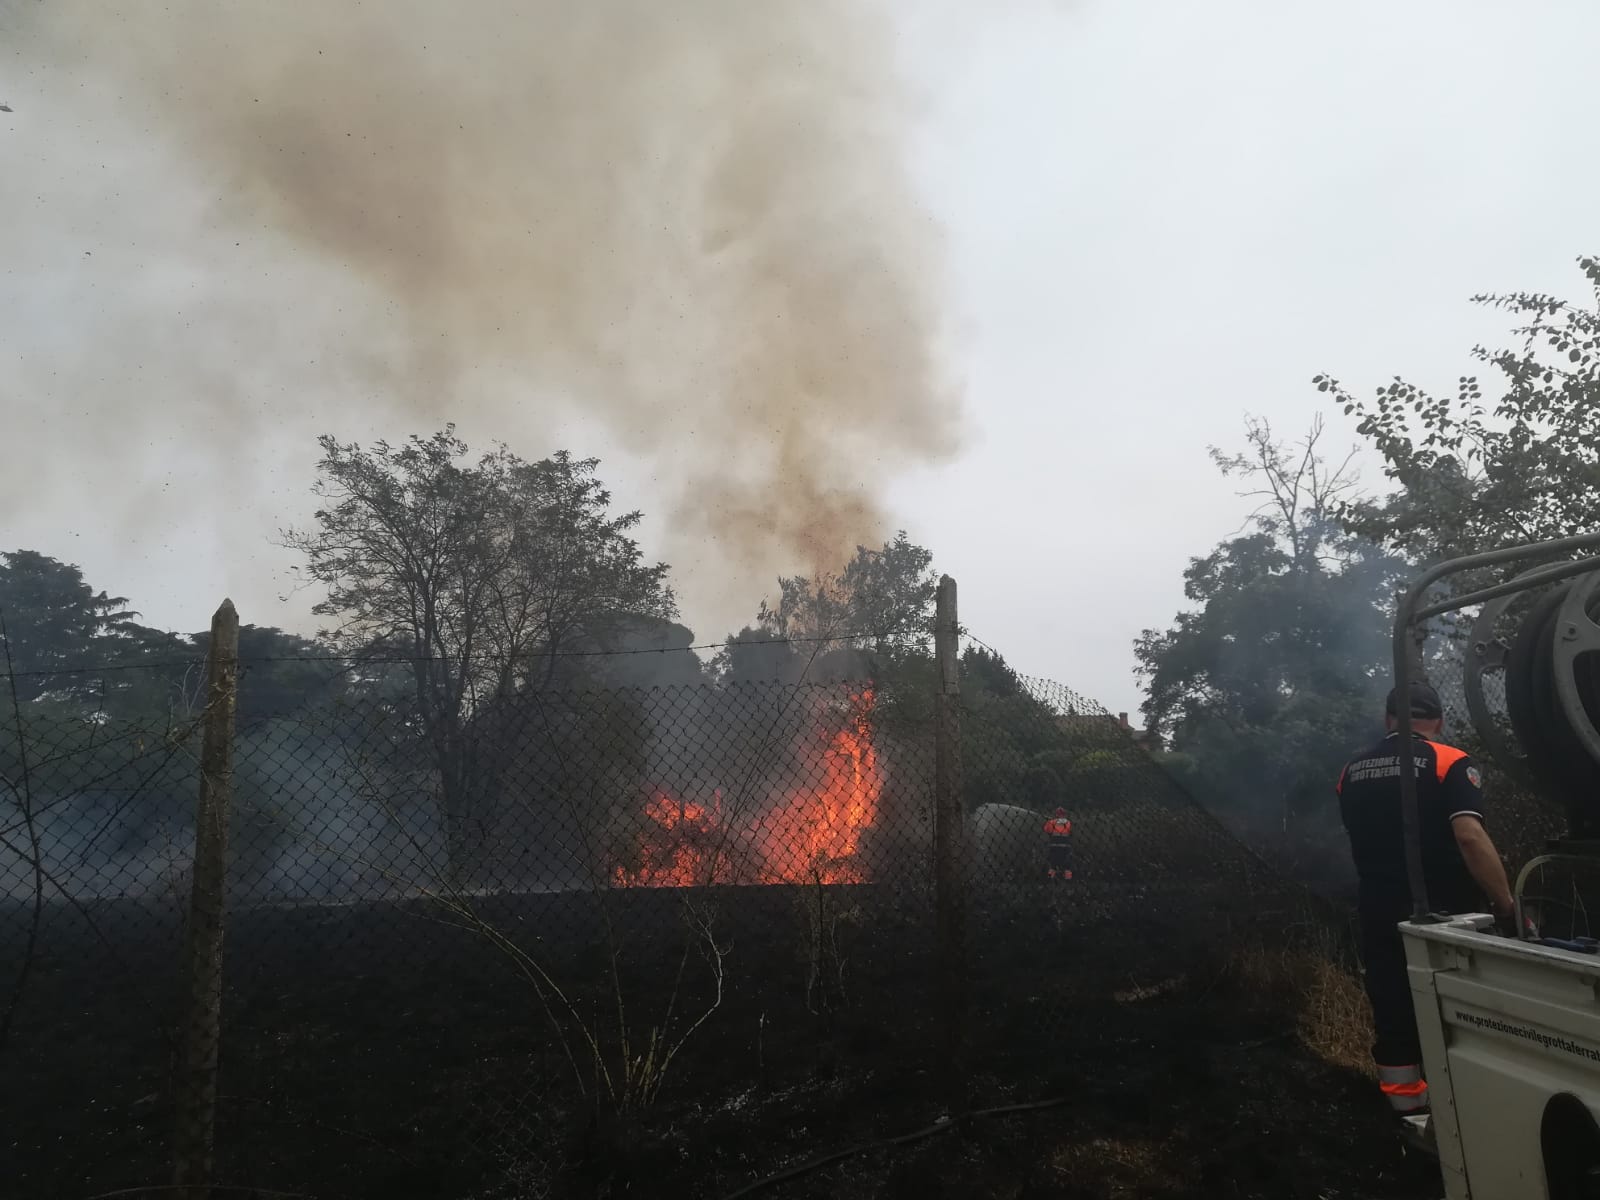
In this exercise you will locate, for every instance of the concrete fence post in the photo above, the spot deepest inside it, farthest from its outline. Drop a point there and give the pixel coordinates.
(950, 839)
(201, 1033)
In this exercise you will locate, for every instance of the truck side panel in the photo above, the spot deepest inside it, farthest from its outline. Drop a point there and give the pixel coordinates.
(1505, 1027)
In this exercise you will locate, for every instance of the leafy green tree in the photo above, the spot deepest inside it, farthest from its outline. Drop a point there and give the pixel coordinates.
(646, 652)
(756, 655)
(874, 619)
(56, 625)
(1511, 456)
(61, 633)
(577, 579)
(282, 674)
(482, 575)
(1271, 678)
(1016, 749)
(883, 600)
(1472, 474)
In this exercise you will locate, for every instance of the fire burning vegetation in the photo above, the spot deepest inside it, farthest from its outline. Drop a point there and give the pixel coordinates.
(810, 835)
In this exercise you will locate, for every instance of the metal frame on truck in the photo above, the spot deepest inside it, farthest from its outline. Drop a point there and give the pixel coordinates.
(1510, 1028)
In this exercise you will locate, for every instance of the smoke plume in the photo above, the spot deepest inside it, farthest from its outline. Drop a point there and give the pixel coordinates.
(692, 222)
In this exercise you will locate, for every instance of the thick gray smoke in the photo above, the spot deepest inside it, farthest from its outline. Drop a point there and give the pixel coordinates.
(691, 221)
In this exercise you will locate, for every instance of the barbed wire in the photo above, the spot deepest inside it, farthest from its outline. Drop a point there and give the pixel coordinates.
(963, 632)
(1045, 690)
(360, 659)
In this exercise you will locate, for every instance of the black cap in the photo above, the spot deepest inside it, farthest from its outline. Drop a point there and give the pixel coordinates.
(1425, 702)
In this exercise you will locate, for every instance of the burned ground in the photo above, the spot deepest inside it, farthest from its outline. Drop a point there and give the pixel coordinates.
(1178, 1018)
(372, 1050)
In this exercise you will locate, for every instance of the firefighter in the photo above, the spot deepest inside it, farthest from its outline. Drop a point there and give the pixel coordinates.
(1461, 868)
(1058, 846)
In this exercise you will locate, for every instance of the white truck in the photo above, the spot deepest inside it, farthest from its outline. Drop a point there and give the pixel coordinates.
(1511, 1048)
(1510, 1026)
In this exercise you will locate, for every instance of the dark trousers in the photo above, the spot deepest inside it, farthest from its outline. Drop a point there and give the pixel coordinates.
(1394, 1016)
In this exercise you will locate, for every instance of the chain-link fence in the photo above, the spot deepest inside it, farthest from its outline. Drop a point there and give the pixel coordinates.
(652, 941)
(96, 838)
(1523, 820)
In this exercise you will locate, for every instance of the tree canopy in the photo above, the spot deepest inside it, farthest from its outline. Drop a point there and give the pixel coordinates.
(61, 636)
(483, 575)
(878, 609)
(1273, 676)
(1472, 473)
(882, 600)
(480, 573)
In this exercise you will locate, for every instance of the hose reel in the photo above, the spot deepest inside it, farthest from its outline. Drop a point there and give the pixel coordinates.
(1542, 645)
(1539, 635)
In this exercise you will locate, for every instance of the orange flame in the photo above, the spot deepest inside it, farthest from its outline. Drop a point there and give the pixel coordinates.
(671, 853)
(811, 835)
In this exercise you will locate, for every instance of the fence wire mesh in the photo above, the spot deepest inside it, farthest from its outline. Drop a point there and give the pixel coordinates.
(474, 956)
(96, 838)
(1524, 820)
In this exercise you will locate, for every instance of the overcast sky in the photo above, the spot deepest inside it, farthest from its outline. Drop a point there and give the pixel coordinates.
(1159, 216)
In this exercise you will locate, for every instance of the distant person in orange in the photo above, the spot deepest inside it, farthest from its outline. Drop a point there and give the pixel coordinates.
(1058, 846)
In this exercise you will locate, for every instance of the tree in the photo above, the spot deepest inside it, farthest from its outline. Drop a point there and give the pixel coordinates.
(1472, 476)
(577, 578)
(481, 575)
(1273, 676)
(882, 600)
(282, 674)
(1014, 748)
(756, 655)
(60, 633)
(880, 604)
(651, 652)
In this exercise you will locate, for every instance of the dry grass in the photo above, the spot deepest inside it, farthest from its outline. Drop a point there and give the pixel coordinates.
(1305, 982)
(1136, 993)
(1336, 1023)
(1118, 1168)
(1326, 997)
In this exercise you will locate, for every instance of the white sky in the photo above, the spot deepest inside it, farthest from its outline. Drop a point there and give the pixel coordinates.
(1161, 216)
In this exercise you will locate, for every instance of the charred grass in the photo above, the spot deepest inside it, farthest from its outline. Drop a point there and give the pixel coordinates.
(372, 1051)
